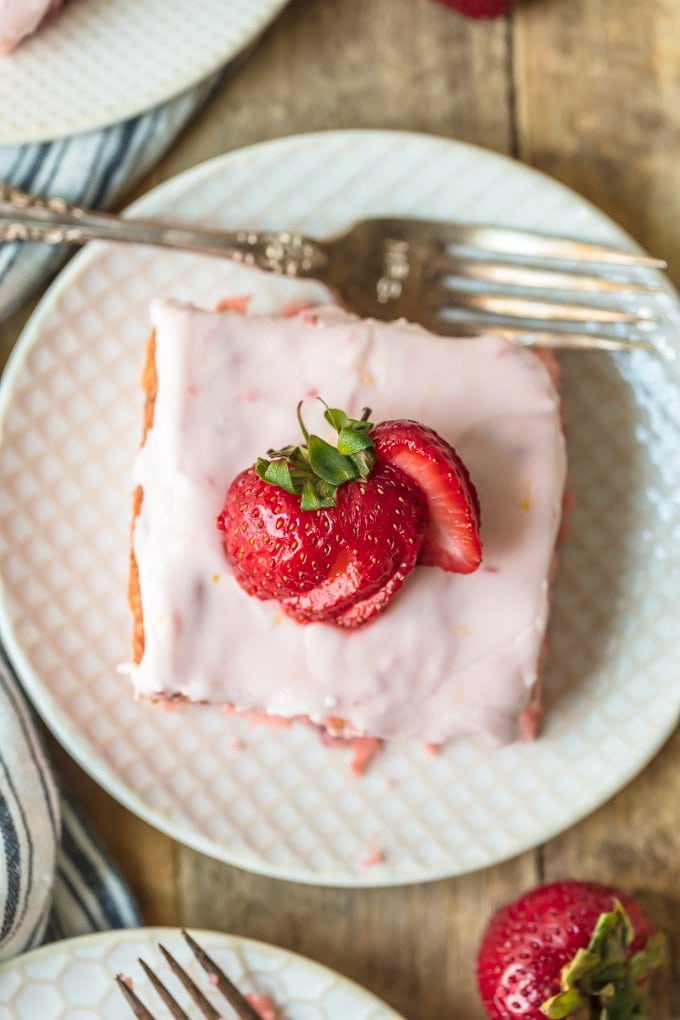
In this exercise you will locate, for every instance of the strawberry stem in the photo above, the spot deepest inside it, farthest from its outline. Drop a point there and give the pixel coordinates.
(316, 469)
(603, 982)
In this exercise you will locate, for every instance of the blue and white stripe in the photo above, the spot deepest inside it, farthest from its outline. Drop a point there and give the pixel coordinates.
(56, 879)
(93, 170)
(89, 893)
(29, 824)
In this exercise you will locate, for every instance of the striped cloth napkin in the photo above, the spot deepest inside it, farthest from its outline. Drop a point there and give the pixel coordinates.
(55, 878)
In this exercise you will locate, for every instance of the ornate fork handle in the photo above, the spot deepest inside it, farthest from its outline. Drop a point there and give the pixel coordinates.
(52, 220)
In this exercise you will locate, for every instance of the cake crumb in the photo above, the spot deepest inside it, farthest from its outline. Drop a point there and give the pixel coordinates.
(530, 722)
(335, 724)
(364, 750)
(127, 981)
(433, 749)
(263, 1005)
(374, 855)
(168, 705)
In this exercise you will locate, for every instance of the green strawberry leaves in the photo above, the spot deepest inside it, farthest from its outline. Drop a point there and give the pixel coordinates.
(328, 463)
(601, 982)
(315, 470)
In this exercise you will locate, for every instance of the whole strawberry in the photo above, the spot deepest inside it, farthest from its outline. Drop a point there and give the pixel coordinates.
(568, 949)
(480, 9)
(332, 532)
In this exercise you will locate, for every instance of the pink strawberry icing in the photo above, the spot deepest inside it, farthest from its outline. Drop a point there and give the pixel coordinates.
(19, 18)
(453, 654)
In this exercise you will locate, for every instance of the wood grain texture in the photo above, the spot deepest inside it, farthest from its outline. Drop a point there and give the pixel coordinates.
(598, 106)
(588, 90)
(413, 946)
(325, 64)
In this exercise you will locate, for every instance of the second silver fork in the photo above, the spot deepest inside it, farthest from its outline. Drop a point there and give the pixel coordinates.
(215, 976)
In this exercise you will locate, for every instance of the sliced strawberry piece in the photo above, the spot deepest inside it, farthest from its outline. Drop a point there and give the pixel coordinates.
(337, 591)
(365, 609)
(452, 539)
(382, 521)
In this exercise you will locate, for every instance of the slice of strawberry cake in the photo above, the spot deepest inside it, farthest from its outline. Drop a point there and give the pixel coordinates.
(386, 574)
(20, 18)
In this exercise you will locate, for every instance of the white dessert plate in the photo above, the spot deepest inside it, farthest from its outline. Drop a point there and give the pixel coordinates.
(277, 801)
(76, 977)
(102, 61)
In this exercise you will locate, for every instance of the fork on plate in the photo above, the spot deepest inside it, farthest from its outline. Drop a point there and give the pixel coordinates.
(216, 978)
(455, 279)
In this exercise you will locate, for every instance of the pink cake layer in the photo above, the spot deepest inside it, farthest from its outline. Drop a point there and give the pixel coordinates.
(452, 655)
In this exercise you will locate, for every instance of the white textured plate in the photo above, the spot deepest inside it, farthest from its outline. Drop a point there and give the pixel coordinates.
(102, 61)
(76, 978)
(277, 801)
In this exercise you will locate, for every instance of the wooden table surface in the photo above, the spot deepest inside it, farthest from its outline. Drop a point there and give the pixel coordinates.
(589, 91)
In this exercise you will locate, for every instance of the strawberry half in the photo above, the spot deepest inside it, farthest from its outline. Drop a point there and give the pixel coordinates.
(452, 539)
(568, 949)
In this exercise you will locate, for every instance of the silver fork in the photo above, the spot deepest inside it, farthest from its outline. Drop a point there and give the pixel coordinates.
(453, 278)
(218, 979)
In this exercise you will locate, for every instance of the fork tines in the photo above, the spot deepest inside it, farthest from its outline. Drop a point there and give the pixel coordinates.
(217, 979)
(538, 277)
(509, 241)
